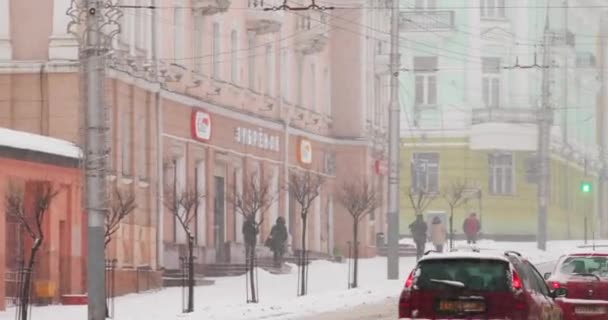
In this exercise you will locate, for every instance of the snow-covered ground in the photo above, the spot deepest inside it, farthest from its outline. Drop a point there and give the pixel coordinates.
(226, 299)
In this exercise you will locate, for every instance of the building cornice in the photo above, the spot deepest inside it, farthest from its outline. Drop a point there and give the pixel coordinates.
(33, 66)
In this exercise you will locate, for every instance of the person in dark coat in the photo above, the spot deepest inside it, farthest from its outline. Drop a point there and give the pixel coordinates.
(250, 234)
(278, 237)
(418, 229)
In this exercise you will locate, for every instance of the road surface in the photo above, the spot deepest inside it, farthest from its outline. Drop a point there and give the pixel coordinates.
(386, 309)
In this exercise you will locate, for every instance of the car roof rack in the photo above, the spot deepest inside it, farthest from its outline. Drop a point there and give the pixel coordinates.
(512, 253)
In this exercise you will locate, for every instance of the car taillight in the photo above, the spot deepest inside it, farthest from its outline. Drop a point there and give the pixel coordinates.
(410, 280)
(516, 282)
(555, 285)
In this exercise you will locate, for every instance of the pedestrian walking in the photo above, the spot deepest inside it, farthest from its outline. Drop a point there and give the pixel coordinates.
(277, 240)
(471, 227)
(439, 234)
(419, 229)
(250, 234)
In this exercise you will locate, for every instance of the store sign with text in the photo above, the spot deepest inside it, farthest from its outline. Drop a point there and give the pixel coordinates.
(305, 151)
(257, 138)
(201, 125)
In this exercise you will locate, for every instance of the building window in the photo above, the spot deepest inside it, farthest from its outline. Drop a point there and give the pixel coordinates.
(285, 81)
(313, 87)
(234, 68)
(300, 81)
(327, 91)
(216, 51)
(200, 217)
(126, 142)
(142, 144)
(198, 44)
(492, 8)
(269, 70)
(425, 172)
(425, 4)
(501, 173)
(491, 82)
(425, 70)
(178, 34)
(251, 44)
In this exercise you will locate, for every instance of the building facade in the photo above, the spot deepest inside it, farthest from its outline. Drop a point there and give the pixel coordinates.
(26, 161)
(472, 95)
(199, 94)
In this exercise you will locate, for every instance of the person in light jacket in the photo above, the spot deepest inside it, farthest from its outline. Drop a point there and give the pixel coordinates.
(439, 234)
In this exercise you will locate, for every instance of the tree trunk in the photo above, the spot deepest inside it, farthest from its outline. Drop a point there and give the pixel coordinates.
(355, 251)
(190, 274)
(303, 255)
(25, 293)
(451, 228)
(252, 273)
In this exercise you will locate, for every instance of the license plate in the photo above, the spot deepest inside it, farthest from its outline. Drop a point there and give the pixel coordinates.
(589, 310)
(450, 306)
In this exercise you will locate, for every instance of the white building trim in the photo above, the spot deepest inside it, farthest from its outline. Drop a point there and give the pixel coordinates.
(6, 50)
(62, 45)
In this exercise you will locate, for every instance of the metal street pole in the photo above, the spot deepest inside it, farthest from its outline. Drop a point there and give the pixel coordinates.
(393, 150)
(95, 161)
(544, 131)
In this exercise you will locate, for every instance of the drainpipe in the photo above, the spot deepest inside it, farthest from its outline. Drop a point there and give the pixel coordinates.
(159, 146)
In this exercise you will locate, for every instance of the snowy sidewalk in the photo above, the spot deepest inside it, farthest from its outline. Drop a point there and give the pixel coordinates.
(278, 293)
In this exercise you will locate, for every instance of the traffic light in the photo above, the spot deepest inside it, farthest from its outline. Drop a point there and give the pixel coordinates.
(585, 187)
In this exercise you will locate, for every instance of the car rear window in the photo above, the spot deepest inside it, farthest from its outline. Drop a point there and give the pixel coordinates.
(475, 274)
(585, 265)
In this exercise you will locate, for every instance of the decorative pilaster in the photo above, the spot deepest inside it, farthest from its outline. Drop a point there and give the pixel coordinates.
(62, 45)
(6, 50)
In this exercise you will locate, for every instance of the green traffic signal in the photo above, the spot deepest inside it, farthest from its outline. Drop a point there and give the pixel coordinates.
(586, 187)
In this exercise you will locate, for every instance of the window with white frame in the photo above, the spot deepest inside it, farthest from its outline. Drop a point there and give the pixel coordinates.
(425, 171)
(491, 82)
(142, 144)
(492, 8)
(425, 71)
(269, 70)
(251, 39)
(198, 44)
(234, 67)
(126, 141)
(216, 51)
(501, 181)
(178, 34)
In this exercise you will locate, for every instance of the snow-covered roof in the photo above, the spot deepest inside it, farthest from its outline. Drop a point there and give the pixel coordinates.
(463, 255)
(34, 142)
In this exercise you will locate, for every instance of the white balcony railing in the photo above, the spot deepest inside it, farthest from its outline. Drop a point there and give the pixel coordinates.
(505, 115)
(312, 32)
(423, 21)
(260, 19)
(210, 7)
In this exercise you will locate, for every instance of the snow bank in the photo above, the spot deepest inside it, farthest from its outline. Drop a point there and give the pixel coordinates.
(278, 293)
(29, 141)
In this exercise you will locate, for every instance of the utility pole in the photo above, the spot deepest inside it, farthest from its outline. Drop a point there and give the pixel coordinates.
(393, 150)
(92, 56)
(544, 132)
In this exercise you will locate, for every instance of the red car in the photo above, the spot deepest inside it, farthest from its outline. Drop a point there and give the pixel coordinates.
(476, 285)
(585, 276)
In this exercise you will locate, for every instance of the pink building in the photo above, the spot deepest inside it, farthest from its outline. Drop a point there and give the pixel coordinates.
(278, 91)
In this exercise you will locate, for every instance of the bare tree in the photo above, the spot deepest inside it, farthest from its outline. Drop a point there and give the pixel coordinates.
(31, 217)
(455, 194)
(121, 205)
(305, 187)
(252, 202)
(420, 199)
(183, 205)
(360, 199)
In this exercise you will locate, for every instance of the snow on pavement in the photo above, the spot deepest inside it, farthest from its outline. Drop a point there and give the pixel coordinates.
(226, 300)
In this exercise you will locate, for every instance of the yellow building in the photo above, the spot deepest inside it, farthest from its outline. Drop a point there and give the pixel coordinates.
(507, 206)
